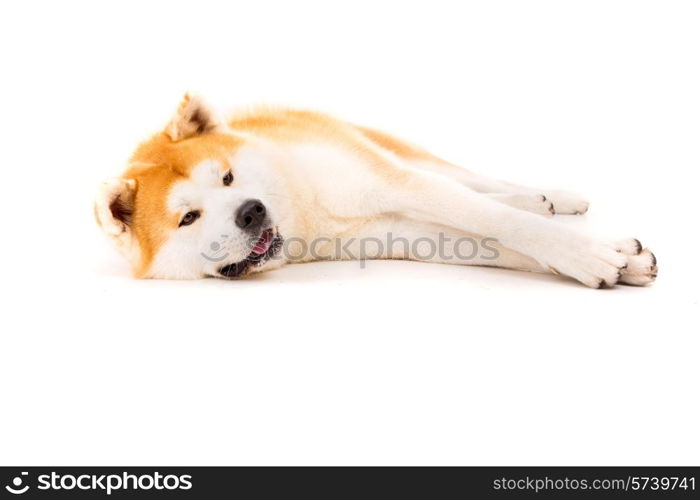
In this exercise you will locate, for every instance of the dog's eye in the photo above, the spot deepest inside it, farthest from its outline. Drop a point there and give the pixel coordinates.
(189, 218)
(228, 178)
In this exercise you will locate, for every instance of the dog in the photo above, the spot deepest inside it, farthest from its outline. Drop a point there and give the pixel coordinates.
(208, 197)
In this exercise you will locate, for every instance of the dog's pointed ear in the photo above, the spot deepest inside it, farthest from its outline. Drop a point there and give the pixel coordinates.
(114, 206)
(193, 117)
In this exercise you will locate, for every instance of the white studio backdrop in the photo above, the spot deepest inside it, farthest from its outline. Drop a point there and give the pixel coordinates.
(397, 363)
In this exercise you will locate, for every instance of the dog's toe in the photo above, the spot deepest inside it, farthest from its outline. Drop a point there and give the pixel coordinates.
(565, 203)
(641, 270)
(631, 246)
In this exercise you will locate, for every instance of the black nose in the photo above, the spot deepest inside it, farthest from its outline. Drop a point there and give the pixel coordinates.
(250, 215)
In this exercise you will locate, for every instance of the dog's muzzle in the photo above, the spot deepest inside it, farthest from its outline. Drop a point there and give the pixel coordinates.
(267, 246)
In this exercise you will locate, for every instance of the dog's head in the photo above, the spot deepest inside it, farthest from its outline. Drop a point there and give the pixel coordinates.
(193, 202)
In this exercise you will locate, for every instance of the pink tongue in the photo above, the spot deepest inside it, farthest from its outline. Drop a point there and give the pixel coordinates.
(263, 243)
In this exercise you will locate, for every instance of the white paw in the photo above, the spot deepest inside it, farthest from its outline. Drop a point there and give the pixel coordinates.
(535, 203)
(595, 264)
(602, 265)
(630, 246)
(566, 202)
(641, 267)
(598, 267)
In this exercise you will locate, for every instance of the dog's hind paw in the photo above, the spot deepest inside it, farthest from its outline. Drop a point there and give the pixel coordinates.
(535, 203)
(567, 203)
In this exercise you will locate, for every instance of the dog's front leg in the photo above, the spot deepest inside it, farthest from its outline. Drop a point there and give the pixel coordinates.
(563, 250)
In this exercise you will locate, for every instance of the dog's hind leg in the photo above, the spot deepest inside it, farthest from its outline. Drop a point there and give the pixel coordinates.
(561, 202)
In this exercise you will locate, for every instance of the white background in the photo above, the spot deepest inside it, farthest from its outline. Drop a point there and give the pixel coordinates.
(399, 363)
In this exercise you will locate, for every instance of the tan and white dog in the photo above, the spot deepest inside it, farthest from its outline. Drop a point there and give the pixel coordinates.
(207, 198)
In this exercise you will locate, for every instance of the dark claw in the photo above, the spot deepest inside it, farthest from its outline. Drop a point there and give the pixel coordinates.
(639, 246)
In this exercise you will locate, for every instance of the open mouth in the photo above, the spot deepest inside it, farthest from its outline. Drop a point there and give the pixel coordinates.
(265, 247)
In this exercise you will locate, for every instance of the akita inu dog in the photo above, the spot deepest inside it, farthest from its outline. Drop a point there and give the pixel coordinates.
(207, 197)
